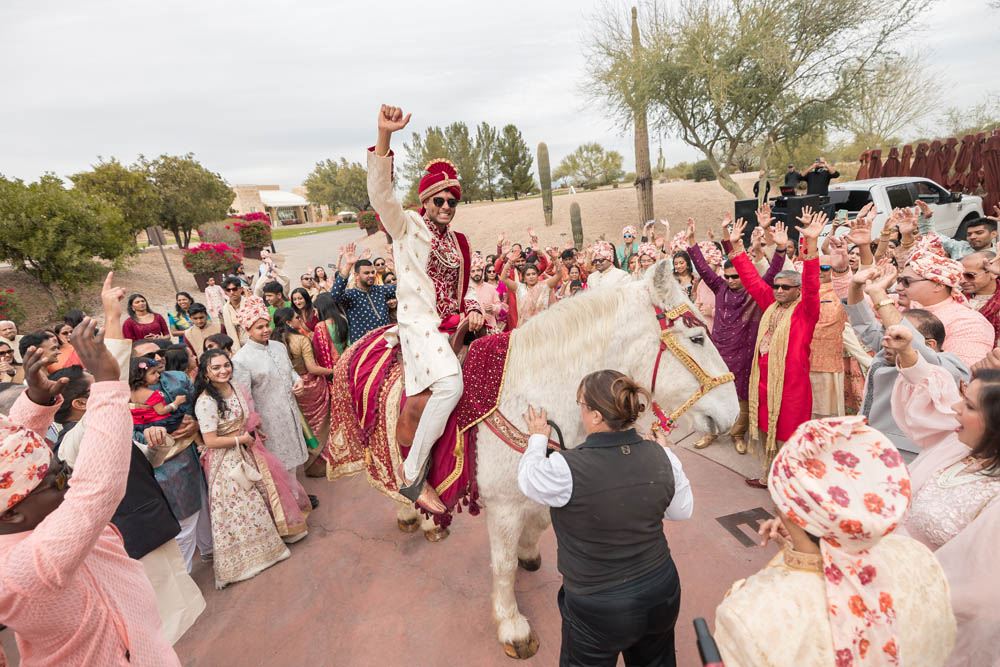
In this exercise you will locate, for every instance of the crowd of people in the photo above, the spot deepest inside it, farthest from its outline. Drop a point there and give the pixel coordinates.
(866, 369)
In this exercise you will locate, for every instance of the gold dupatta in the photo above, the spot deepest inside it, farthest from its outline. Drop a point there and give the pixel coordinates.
(775, 377)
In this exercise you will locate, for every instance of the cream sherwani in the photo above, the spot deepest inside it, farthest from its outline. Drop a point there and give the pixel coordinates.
(779, 616)
(611, 278)
(427, 355)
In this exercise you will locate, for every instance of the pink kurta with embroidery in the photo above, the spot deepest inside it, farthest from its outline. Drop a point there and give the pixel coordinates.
(68, 590)
(955, 514)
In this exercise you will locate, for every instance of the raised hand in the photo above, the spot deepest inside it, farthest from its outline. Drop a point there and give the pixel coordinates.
(924, 210)
(660, 240)
(391, 119)
(764, 215)
(367, 254)
(806, 215)
(736, 233)
(897, 338)
(813, 225)
(862, 276)
(348, 252)
(41, 390)
(711, 235)
(838, 254)
(780, 233)
(500, 238)
(861, 231)
(690, 231)
(94, 355)
(532, 236)
(907, 221)
(883, 279)
(505, 246)
(112, 299)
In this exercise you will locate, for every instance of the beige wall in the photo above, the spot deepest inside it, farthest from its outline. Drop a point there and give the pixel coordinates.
(248, 198)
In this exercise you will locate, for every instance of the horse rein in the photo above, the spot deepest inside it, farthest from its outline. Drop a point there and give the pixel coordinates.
(668, 341)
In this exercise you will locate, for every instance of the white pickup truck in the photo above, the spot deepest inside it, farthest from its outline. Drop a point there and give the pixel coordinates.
(951, 210)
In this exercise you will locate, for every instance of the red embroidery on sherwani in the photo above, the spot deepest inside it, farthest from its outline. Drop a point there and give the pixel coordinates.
(443, 269)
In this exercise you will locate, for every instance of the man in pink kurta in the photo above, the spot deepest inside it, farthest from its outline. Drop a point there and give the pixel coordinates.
(489, 297)
(68, 590)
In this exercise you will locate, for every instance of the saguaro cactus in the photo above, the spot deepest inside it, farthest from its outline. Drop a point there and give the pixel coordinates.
(574, 219)
(545, 176)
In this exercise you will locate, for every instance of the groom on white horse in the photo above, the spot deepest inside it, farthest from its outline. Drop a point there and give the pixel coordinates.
(433, 265)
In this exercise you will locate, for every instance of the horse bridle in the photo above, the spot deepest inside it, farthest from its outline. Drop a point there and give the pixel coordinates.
(669, 342)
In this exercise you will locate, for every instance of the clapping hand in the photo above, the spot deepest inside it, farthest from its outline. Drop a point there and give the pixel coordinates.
(882, 280)
(391, 119)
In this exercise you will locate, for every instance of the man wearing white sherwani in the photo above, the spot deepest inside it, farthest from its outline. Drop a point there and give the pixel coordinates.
(263, 367)
(433, 292)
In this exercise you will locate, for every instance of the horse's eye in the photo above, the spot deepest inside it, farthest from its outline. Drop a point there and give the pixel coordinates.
(698, 340)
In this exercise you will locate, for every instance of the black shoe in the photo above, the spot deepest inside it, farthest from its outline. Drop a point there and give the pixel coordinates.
(314, 501)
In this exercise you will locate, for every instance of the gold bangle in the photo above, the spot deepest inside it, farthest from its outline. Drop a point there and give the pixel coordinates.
(884, 302)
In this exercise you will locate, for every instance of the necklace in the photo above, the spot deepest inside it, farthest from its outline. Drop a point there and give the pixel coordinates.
(957, 474)
(451, 260)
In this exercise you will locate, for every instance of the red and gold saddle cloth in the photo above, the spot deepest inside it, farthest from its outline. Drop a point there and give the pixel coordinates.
(366, 399)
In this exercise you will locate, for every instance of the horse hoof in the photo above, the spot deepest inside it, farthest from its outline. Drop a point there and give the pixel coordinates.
(410, 526)
(524, 649)
(530, 565)
(437, 534)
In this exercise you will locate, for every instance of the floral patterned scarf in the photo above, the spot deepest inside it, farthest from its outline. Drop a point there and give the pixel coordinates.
(843, 481)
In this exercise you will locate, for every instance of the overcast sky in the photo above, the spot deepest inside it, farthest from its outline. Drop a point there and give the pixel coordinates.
(261, 91)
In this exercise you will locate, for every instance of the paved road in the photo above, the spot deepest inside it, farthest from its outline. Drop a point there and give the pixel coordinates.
(318, 249)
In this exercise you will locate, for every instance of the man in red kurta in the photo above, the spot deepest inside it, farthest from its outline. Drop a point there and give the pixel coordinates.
(781, 356)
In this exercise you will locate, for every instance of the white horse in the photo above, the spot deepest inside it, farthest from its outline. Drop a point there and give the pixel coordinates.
(548, 356)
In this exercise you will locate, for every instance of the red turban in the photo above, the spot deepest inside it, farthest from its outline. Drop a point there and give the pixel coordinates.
(441, 175)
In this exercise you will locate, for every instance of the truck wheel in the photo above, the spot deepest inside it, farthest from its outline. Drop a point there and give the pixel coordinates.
(963, 228)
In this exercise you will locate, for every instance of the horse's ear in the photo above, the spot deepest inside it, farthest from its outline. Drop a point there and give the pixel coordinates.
(663, 286)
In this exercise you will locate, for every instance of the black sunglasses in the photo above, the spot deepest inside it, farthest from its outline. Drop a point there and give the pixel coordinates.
(825, 267)
(232, 289)
(778, 288)
(379, 263)
(439, 201)
(731, 276)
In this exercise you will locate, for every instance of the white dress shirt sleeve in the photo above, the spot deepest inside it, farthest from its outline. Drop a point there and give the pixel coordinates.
(545, 480)
(682, 504)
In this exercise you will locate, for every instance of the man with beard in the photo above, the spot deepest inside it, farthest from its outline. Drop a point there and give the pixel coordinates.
(433, 263)
(231, 310)
(979, 285)
(489, 297)
(366, 304)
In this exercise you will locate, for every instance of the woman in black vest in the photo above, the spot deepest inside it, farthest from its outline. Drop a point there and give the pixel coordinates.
(609, 496)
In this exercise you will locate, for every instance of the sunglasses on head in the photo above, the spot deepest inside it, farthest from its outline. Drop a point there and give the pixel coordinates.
(439, 201)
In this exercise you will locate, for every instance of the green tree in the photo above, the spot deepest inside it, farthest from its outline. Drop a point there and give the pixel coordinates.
(462, 151)
(189, 194)
(127, 188)
(343, 185)
(487, 144)
(590, 164)
(724, 73)
(58, 236)
(419, 152)
(514, 162)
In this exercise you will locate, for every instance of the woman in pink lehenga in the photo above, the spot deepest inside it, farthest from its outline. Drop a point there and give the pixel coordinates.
(254, 509)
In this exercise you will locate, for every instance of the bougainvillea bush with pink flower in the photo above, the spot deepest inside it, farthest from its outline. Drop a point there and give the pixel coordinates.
(10, 307)
(254, 233)
(212, 258)
(224, 231)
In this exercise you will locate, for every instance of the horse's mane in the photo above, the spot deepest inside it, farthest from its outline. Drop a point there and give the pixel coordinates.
(573, 326)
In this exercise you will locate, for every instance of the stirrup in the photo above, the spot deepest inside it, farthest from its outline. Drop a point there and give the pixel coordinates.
(415, 489)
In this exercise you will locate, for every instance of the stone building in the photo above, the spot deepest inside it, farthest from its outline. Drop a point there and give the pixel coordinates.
(281, 206)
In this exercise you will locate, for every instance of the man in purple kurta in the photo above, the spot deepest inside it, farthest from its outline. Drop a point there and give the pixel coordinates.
(734, 333)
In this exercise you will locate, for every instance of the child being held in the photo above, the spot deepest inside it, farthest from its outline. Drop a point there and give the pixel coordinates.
(148, 406)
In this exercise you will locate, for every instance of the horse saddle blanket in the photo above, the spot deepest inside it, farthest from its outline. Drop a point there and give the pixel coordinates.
(371, 427)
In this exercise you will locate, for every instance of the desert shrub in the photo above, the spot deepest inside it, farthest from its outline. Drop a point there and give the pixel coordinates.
(10, 307)
(702, 171)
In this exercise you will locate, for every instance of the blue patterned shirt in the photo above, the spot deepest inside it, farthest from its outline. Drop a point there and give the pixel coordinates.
(366, 310)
